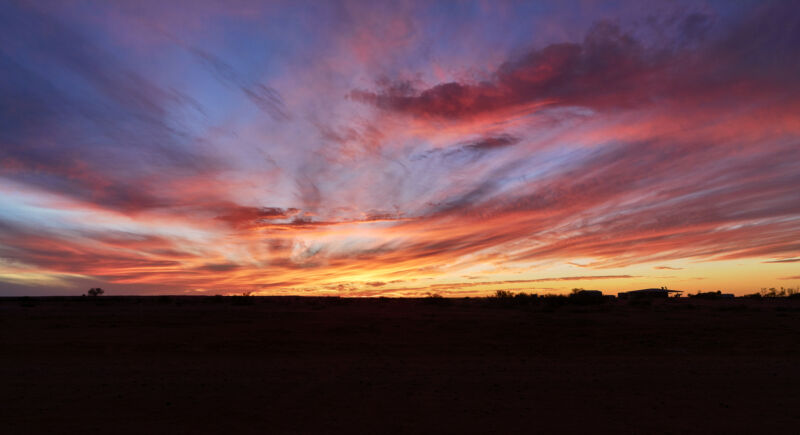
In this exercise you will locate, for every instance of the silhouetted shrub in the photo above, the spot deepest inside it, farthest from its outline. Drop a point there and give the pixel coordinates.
(551, 302)
(94, 292)
(523, 298)
(436, 299)
(508, 298)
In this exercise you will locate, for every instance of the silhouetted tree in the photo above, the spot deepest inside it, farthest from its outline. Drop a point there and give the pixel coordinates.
(782, 293)
(503, 294)
(96, 291)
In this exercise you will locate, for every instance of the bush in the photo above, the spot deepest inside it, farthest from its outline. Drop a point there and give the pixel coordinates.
(551, 302)
(503, 294)
(436, 299)
(509, 298)
(523, 298)
(94, 292)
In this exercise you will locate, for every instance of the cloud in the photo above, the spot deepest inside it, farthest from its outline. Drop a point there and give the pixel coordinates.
(265, 97)
(525, 281)
(667, 268)
(462, 288)
(219, 267)
(612, 70)
(472, 150)
(126, 164)
(56, 134)
(597, 72)
(491, 143)
(242, 216)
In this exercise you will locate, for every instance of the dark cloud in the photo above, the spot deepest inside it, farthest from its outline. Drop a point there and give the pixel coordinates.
(308, 222)
(491, 143)
(242, 216)
(471, 151)
(784, 260)
(219, 267)
(601, 68)
(611, 69)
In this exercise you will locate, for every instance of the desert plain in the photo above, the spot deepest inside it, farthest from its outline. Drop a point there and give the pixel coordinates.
(185, 365)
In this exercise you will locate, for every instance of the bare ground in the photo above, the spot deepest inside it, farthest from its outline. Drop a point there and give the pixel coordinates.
(311, 365)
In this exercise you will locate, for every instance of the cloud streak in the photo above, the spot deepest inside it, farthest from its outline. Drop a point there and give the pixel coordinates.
(152, 160)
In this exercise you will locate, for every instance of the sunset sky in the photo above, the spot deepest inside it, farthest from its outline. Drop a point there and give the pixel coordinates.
(397, 148)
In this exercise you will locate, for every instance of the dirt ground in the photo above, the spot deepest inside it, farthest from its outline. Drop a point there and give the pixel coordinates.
(311, 365)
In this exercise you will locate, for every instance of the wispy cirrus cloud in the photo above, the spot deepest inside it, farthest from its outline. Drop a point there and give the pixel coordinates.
(222, 154)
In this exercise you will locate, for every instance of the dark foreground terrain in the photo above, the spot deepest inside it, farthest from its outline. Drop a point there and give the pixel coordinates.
(306, 365)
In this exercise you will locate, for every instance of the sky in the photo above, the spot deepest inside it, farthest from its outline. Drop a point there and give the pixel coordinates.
(367, 148)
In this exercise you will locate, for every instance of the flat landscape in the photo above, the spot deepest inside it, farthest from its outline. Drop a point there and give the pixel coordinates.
(323, 365)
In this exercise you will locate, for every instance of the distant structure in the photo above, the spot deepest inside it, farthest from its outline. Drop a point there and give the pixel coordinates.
(588, 293)
(647, 293)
